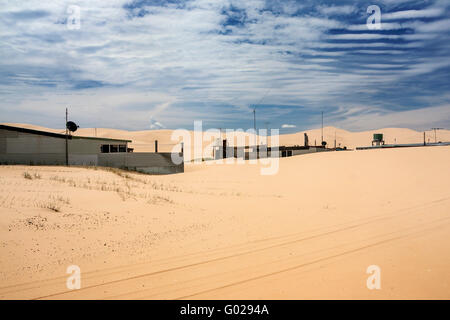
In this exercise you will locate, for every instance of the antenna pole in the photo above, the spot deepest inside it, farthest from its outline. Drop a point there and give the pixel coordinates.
(254, 122)
(67, 143)
(435, 137)
(322, 126)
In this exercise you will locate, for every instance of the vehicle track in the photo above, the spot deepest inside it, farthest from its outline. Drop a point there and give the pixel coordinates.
(233, 273)
(259, 245)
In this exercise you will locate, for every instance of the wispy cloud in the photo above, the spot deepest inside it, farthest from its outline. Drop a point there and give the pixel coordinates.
(339, 10)
(156, 124)
(136, 63)
(413, 14)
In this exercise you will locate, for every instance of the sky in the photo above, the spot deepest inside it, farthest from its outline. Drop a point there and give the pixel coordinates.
(162, 64)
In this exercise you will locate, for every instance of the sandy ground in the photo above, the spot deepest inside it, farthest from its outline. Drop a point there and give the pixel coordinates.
(225, 231)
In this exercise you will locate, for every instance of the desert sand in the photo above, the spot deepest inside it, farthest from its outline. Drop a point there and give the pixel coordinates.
(226, 231)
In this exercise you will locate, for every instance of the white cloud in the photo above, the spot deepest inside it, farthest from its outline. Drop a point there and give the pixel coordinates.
(286, 126)
(384, 26)
(332, 10)
(420, 119)
(364, 36)
(412, 14)
(156, 124)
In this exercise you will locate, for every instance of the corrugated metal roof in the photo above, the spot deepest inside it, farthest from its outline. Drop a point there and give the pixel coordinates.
(54, 135)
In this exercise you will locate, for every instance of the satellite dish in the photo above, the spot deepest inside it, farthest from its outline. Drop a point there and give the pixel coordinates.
(71, 126)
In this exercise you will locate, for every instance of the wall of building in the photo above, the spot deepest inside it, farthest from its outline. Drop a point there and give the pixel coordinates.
(89, 146)
(12, 142)
(310, 150)
(33, 149)
(24, 148)
(147, 162)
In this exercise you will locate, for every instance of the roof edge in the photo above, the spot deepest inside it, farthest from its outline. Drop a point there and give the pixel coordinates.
(54, 135)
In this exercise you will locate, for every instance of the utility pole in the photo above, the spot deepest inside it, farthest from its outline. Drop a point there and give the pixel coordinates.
(435, 129)
(254, 123)
(322, 128)
(67, 143)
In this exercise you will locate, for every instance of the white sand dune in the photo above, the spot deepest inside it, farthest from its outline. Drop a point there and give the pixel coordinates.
(225, 231)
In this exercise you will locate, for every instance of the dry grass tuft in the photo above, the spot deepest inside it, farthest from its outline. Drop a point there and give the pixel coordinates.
(53, 206)
(30, 176)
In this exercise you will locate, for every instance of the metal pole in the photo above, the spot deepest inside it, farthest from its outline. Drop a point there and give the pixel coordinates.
(322, 128)
(67, 143)
(435, 137)
(254, 123)
(254, 119)
(156, 146)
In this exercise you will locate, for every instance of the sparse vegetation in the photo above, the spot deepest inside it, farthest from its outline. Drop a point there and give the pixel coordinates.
(30, 176)
(27, 175)
(62, 199)
(52, 206)
(157, 199)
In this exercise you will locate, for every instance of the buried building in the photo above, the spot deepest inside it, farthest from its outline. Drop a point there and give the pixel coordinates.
(262, 151)
(223, 150)
(35, 147)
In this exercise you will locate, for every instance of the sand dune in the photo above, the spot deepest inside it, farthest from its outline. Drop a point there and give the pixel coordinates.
(225, 231)
(144, 141)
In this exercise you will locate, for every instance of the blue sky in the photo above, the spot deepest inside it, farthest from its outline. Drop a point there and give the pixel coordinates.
(141, 64)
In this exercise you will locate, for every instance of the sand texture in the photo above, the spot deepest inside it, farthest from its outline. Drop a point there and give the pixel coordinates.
(226, 231)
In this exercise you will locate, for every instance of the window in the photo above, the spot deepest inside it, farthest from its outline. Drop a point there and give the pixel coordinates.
(104, 148)
(107, 148)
